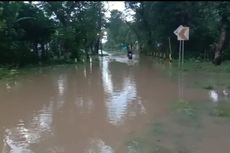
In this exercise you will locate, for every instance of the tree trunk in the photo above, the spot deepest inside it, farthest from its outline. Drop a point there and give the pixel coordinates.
(97, 45)
(43, 52)
(87, 53)
(218, 47)
(91, 48)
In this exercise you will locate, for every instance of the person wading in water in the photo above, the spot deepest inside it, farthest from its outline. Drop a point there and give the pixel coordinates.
(130, 53)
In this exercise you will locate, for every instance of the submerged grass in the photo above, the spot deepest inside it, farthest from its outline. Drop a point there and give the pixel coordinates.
(204, 66)
(208, 87)
(162, 137)
(184, 125)
(221, 110)
(7, 73)
(181, 129)
(199, 74)
(185, 108)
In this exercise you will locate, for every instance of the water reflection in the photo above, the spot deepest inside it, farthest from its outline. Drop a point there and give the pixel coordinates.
(213, 95)
(117, 104)
(84, 105)
(180, 85)
(61, 83)
(9, 85)
(74, 109)
(91, 65)
(123, 59)
(219, 95)
(107, 83)
(99, 146)
(19, 138)
(118, 101)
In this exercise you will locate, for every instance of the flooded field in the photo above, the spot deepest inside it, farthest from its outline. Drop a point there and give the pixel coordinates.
(113, 105)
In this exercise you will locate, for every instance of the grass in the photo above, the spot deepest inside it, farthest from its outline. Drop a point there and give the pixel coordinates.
(165, 136)
(193, 111)
(185, 107)
(158, 129)
(180, 130)
(222, 110)
(8, 73)
(208, 87)
(204, 66)
(199, 74)
(185, 119)
(134, 145)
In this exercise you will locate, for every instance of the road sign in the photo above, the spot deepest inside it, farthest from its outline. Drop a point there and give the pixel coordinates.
(176, 32)
(182, 33)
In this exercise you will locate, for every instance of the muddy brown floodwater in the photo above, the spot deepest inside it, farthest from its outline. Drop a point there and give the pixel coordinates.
(98, 108)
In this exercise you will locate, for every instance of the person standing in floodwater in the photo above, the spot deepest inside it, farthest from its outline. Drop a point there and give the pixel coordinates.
(129, 53)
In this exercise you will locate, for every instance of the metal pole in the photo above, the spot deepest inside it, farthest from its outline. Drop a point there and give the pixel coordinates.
(181, 75)
(179, 54)
(182, 84)
(179, 85)
(182, 52)
(180, 72)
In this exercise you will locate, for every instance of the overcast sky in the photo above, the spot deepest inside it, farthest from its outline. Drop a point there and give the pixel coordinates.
(112, 5)
(118, 5)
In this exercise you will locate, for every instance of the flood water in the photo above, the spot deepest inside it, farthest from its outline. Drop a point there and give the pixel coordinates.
(94, 108)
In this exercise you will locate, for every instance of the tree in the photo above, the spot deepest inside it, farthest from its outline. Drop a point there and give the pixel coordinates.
(120, 33)
(223, 9)
(208, 22)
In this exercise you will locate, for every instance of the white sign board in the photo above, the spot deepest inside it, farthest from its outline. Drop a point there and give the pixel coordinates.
(182, 33)
(176, 32)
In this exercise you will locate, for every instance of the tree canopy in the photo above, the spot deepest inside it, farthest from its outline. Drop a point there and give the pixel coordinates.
(208, 22)
(66, 30)
(41, 31)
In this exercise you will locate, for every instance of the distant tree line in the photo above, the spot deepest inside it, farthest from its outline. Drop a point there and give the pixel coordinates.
(72, 30)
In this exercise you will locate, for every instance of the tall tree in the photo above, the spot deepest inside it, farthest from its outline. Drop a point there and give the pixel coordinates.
(208, 22)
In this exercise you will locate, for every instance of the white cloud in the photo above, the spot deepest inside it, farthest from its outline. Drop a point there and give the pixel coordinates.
(118, 5)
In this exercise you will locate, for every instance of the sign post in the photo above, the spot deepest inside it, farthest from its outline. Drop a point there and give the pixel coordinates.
(179, 59)
(182, 34)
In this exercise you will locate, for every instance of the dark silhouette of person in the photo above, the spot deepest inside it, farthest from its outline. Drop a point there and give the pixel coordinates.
(130, 53)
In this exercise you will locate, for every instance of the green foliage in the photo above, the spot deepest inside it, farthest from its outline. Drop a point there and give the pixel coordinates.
(221, 110)
(184, 107)
(8, 73)
(209, 87)
(203, 18)
(37, 33)
(120, 34)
